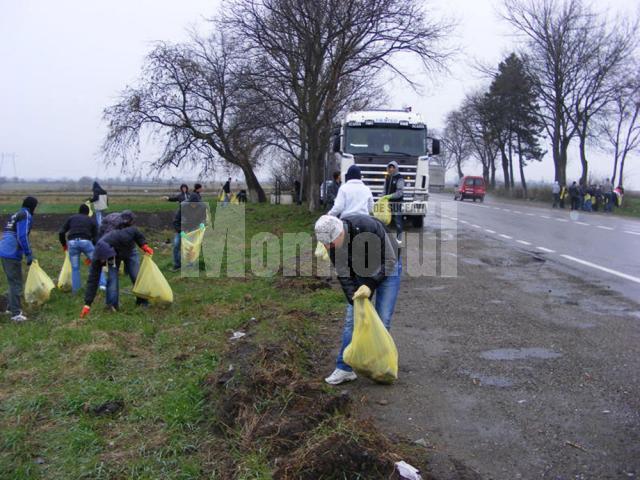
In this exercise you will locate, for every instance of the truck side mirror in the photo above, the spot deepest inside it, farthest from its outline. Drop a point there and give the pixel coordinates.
(435, 147)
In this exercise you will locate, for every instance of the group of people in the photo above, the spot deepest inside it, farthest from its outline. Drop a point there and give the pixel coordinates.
(588, 198)
(350, 206)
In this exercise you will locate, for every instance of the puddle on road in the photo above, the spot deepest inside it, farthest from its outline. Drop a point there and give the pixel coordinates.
(519, 354)
(490, 380)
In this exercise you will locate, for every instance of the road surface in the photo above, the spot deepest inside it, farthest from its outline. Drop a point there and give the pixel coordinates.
(526, 363)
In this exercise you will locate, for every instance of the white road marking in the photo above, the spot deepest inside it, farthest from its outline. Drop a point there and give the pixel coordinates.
(584, 223)
(546, 250)
(489, 231)
(454, 218)
(632, 233)
(604, 269)
(464, 221)
(505, 236)
(561, 220)
(546, 216)
(523, 242)
(604, 228)
(531, 214)
(506, 209)
(478, 226)
(496, 208)
(517, 211)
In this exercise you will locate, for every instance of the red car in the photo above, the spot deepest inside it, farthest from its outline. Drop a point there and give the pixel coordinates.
(470, 187)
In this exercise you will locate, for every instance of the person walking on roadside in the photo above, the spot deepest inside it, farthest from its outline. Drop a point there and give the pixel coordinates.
(116, 247)
(78, 236)
(226, 192)
(332, 189)
(349, 255)
(394, 192)
(99, 201)
(354, 197)
(607, 190)
(15, 245)
(183, 196)
(574, 195)
(555, 190)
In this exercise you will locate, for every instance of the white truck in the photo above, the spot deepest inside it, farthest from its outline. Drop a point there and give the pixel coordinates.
(373, 138)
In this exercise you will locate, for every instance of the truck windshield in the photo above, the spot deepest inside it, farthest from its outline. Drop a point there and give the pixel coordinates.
(385, 140)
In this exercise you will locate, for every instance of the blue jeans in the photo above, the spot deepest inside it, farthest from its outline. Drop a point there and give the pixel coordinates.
(608, 202)
(98, 214)
(385, 303)
(176, 251)
(77, 247)
(131, 268)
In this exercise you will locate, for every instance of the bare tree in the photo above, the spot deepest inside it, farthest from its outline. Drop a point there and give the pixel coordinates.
(556, 33)
(192, 98)
(457, 147)
(302, 51)
(622, 128)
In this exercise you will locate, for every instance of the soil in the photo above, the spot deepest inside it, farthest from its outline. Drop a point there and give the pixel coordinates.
(51, 222)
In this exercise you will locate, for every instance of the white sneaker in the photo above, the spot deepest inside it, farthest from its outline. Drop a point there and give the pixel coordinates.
(103, 288)
(399, 243)
(19, 318)
(340, 376)
(7, 312)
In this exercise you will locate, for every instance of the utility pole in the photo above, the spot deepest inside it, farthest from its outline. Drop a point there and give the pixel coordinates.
(10, 158)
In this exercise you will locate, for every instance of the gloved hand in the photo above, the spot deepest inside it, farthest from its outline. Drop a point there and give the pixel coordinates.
(147, 249)
(202, 226)
(388, 197)
(183, 234)
(362, 292)
(85, 311)
(65, 247)
(30, 260)
(87, 261)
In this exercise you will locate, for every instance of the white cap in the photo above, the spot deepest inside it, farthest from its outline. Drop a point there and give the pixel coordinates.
(328, 228)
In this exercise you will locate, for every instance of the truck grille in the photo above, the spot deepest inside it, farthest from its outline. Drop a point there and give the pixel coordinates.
(374, 176)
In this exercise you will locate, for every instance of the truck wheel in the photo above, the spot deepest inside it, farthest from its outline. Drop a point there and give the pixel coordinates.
(474, 199)
(417, 221)
(482, 199)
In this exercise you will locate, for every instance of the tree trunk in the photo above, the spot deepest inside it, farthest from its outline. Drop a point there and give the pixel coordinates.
(561, 167)
(458, 164)
(255, 190)
(315, 169)
(512, 184)
(505, 167)
(615, 165)
(583, 160)
(620, 175)
(521, 162)
(493, 172)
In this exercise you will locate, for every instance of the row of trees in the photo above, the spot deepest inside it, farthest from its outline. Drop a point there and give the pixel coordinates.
(269, 79)
(577, 76)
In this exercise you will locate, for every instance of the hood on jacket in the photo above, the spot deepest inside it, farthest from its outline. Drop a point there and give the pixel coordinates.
(98, 189)
(353, 173)
(394, 164)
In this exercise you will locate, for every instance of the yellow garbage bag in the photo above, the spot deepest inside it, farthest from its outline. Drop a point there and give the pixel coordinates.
(64, 279)
(191, 244)
(88, 204)
(372, 352)
(234, 199)
(382, 211)
(38, 285)
(321, 252)
(221, 197)
(151, 283)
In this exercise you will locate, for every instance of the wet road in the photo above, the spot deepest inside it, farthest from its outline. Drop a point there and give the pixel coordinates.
(599, 248)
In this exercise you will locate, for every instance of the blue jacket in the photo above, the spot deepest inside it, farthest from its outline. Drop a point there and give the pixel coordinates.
(15, 237)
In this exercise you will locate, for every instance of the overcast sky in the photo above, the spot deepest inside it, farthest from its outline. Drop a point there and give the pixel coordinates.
(64, 61)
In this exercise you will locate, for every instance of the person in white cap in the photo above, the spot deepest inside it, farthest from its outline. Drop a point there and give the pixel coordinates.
(348, 255)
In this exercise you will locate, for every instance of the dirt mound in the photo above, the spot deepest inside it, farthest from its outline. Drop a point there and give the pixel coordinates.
(260, 401)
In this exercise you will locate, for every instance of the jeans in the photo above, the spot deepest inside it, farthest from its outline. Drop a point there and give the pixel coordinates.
(98, 214)
(398, 219)
(77, 247)
(608, 202)
(556, 200)
(385, 303)
(131, 268)
(13, 270)
(227, 197)
(177, 243)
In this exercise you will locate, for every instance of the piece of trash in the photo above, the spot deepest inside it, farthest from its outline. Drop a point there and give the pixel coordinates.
(408, 472)
(522, 401)
(606, 411)
(237, 335)
(575, 445)
(421, 441)
(39, 460)
(382, 402)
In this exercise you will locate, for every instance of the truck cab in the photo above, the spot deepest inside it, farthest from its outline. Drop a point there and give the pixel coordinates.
(373, 138)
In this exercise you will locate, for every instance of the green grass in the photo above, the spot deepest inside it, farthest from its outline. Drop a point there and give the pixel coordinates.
(55, 369)
(67, 204)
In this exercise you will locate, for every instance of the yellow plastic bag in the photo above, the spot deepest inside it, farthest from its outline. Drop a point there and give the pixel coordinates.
(64, 279)
(38, 285)
(191, 244)
(234, 199)
(88, 204)
(372, 352)
(382, 211)
(151, 283)
(321, 252)
(221, 197)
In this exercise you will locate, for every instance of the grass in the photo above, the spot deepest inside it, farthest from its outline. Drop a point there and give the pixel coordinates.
(57, 371)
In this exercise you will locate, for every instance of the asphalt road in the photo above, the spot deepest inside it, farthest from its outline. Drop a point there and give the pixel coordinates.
(524, 364)
(600, 248)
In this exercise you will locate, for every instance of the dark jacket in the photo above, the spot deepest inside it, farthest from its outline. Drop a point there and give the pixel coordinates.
(15, 237)
(97, 191)
(189, 216)
(226, 188)
(111, 222)
(380, 261)
(394, 186)
(332, 192)
(78, 226)
(119, 243)
(181, 196)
